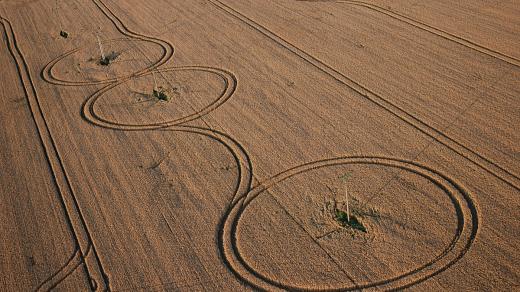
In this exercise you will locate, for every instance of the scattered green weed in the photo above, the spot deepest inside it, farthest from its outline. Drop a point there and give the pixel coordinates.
(57, 10)
(352, 222)
(351, 212)
(161, 94)
(106, 60)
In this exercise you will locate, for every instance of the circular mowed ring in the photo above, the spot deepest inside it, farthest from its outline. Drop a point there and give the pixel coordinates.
(228, 84)
(465, 232)
(163, 51)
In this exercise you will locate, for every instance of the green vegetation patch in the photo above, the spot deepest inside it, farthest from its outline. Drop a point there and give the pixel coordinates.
(349, 221)
(160, 93)
(106, 60)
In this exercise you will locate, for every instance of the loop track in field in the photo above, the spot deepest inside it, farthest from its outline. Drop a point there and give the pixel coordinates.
(467, 217)
(91, 111)
(72, 59)
(466, 231)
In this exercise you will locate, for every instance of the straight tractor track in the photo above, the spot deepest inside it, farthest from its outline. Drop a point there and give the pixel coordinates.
(69, 202)
(473, 156)
(86, 255)
(428, 28)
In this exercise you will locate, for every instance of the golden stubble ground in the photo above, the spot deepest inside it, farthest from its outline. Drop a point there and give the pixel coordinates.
(231, 183)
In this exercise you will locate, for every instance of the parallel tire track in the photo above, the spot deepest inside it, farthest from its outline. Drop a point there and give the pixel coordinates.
(244, 165)
(476, 158)
(69, 202)
(168, 47)
(431, 29)
(243, 195)
(48, 74)
(62, 273)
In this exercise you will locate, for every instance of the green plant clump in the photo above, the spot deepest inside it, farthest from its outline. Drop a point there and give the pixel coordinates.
(161, 94)
(64, 34)
(342, 219)
(106, 60)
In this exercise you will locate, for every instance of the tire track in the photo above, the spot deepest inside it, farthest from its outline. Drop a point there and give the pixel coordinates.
(92, 258)
(230, 81)
(474, 157)
(465, 235)
(244, 165)
(167, 48)
(243, 195)
(55, 279)
(240, 156)
(48, 74)
(98, 278)
(428, 28)
(231, 256)
(69, 202)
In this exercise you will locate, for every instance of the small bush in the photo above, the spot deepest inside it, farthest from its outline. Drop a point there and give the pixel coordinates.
(160, 93)
(106, 60)
(343, 219)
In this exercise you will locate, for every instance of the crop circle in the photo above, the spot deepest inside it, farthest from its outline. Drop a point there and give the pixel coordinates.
(196, 91)
(81, 66)
(464, 232)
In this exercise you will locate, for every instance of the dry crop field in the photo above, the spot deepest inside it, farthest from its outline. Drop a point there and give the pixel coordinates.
(259, 145)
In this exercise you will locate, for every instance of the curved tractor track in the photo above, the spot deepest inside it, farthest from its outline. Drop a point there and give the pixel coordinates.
(48, 73)
(471, 155)
(465, 212)
(88, 257)
(230, 84)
